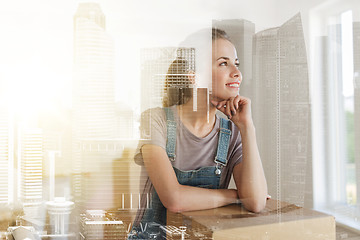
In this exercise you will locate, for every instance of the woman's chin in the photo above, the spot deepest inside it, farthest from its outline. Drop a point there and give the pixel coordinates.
(224, 96)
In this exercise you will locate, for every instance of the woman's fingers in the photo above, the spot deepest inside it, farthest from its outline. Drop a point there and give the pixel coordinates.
(236, 101)
(232, 107)
(222, 107)
(215, 103)
(219, 105)
(237, 109)
(228, 107)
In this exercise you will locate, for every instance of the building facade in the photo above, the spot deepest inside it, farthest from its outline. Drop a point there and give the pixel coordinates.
(93, 97)
(282, 110)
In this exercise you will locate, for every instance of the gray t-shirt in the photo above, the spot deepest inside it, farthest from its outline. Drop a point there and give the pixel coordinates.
(191, 151)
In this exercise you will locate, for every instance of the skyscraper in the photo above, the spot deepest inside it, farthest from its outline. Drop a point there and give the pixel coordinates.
(6, 149)
(154, 71)
(280, 78)
(125, 122)
(31, 170)
(266, 86)
(93, 94)
(93, 88)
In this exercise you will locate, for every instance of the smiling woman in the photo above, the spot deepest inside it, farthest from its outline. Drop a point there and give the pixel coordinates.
(225, 73)
(193, 153)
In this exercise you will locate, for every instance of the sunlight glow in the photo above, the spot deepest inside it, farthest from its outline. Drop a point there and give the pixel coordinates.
(31, 88)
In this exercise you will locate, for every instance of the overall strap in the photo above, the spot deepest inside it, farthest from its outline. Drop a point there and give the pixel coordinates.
(171, 134)
(223, 145)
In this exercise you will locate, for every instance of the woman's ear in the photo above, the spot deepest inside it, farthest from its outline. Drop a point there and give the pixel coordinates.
(191, 76)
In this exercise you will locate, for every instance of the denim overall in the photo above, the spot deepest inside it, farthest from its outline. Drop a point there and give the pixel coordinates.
(205, 177)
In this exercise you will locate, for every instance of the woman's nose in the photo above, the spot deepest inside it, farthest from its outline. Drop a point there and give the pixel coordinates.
(236, 73)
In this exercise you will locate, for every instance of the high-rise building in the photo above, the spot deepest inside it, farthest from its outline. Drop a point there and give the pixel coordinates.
(266, 85)
(125, 122)
(128, 194)
(356, 51)
(241, 33)
(31, 170)
(6, 157)
(93, 89)
(155, 63)
(282, 110)
(154, 66)
(4, 147)
(93, 92)
(57, 152)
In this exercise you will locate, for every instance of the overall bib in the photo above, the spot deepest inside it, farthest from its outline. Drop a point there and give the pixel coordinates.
(205, 177)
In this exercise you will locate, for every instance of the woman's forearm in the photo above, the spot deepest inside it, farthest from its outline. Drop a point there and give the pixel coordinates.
(188, 198)
(177, 197)
(249, 174)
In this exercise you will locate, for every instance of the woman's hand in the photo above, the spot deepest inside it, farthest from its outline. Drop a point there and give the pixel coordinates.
(238, 110)
(248, 174)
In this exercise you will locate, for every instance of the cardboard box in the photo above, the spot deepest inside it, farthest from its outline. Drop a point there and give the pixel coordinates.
(279, 220)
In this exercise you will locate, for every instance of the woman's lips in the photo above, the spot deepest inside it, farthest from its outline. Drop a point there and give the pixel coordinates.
(233, 85)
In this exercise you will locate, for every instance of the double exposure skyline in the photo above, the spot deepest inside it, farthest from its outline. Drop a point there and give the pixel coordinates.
(75, 77)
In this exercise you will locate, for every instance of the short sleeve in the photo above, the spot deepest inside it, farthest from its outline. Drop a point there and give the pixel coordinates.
(152, 131)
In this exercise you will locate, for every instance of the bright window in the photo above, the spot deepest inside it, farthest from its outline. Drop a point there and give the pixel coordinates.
(334, 49)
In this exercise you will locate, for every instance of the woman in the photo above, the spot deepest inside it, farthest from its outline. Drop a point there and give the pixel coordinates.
(179, 159)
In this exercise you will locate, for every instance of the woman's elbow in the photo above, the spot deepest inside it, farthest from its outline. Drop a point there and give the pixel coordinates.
(173, 201)
(174, 206)
(174, 209)
(255, 205)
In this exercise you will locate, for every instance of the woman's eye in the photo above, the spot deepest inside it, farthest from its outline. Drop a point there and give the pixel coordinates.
(237, 65)
(223, 64)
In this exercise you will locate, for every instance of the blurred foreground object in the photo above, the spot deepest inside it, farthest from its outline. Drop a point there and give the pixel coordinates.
(98, 224)
(22, 232)
(59, 211)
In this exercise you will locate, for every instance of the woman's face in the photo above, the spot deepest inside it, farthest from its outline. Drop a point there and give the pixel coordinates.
(226, 77)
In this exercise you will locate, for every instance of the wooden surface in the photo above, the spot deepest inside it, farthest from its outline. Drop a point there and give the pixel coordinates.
(279, 220)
